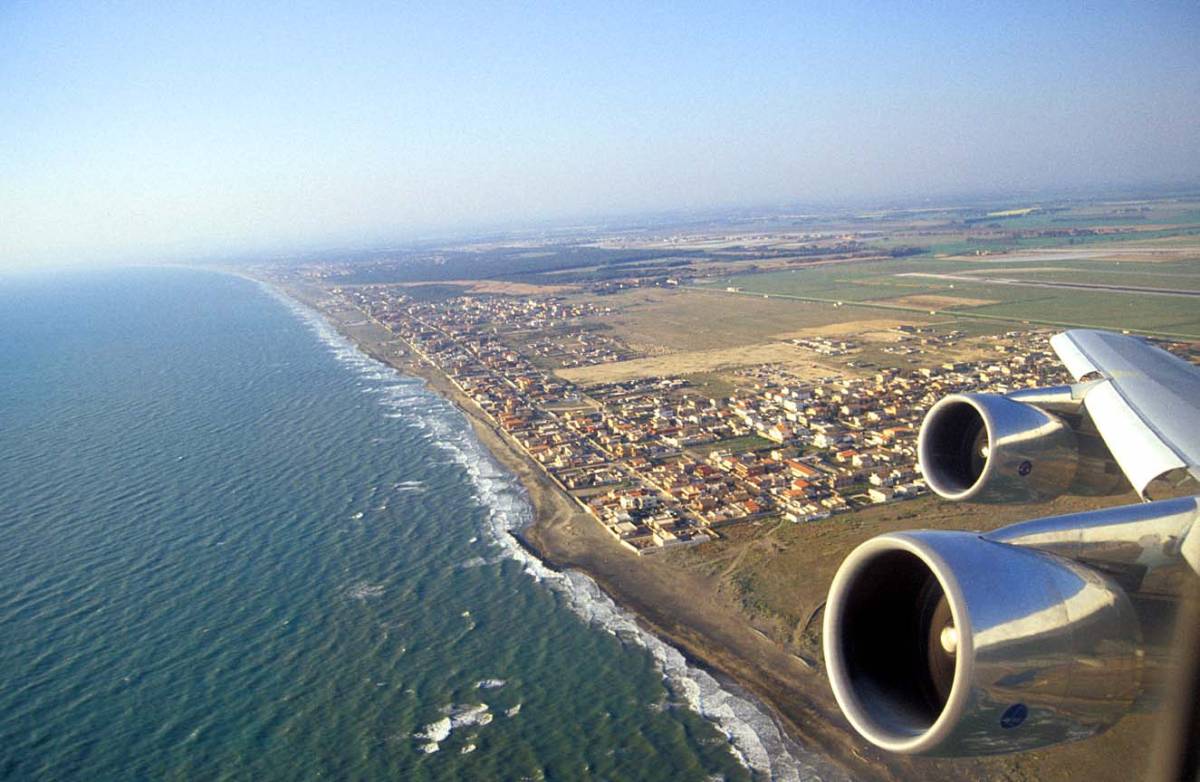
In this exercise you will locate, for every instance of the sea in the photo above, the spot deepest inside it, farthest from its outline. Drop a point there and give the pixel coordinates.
(232, 546)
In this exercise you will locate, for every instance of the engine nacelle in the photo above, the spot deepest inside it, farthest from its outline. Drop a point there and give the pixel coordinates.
(947, 643)
(989, 448)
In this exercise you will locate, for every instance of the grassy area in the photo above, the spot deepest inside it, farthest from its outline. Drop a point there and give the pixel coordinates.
(1102, 215)
(1107, 310)
(750, 442)
(878, 284)
(684, 320)
(714, 385)
(1170, 280)
(966, 245)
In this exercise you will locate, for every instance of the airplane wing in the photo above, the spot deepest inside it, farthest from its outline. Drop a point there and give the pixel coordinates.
(1145, 402)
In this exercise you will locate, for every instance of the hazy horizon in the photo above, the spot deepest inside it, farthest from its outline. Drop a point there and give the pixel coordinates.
(210, 129)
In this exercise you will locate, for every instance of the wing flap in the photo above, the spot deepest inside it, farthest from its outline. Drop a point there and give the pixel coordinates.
(1148, 406)
(1141, 453)
(1073, 358)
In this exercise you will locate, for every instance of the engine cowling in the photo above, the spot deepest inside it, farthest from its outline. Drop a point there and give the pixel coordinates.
(947, 643)
(989, 448)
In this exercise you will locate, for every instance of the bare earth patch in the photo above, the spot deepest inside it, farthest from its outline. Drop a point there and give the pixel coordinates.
(658, 321)
(500, 287)
(873, 329)
(696, 361)
(934, 301)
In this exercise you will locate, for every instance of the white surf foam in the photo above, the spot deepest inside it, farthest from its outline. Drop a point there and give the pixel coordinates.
(364, 590)
(437, 731)
(490, 684)
(476, 562)
(753, 734)
(468, 715)
(458, 716)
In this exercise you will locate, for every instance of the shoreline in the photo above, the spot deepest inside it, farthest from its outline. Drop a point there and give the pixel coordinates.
(674, 605)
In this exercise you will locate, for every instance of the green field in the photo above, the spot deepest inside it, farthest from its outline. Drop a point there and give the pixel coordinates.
(1177, 276)
(879, 285)
(750, 442)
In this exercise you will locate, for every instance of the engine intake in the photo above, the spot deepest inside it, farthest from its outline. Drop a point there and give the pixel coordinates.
(988, 448)
(948, 643)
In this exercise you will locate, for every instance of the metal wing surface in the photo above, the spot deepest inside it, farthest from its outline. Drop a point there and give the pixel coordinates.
(1144, 401)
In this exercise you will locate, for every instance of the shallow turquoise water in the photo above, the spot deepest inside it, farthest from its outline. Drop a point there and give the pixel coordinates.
(235, 548)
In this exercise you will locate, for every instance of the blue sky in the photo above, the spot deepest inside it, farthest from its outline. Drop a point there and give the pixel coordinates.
(149, 129)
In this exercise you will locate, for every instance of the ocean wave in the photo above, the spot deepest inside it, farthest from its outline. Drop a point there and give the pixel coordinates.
(456, 717)
(469, 715)
(435, 732)
(478, 562)
(490, 684)
(753, 734)
(752, 731)
(364, 590)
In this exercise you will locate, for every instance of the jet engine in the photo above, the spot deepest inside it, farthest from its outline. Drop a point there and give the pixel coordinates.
(949, 643)
(992, 448)
(960, 643)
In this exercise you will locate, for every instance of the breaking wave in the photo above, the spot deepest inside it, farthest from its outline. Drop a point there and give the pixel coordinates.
(364, 590)
(489, 684)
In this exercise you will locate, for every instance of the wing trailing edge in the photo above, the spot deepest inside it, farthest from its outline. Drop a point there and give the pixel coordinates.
(1144, 401)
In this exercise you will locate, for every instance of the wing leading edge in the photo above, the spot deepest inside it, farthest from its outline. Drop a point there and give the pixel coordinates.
(1144, 402)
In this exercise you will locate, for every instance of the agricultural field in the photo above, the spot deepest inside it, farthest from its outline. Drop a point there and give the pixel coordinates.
(667, 321)
(1180, 276)
(908, 285)
(706, 334)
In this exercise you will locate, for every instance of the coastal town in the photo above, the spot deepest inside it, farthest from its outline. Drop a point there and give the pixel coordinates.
(707, 428)
(660, 462)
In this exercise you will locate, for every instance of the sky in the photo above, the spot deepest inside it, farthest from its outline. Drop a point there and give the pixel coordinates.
(146, 130)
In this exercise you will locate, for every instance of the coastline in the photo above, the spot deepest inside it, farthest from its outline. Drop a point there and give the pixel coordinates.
(675, 605)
